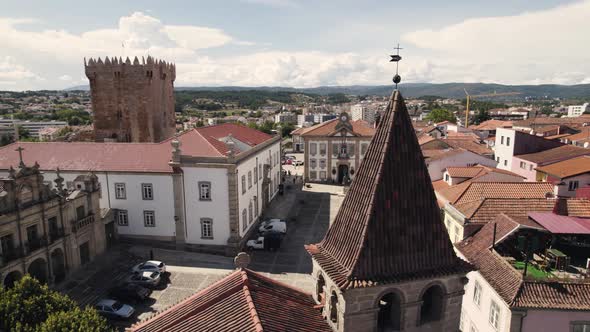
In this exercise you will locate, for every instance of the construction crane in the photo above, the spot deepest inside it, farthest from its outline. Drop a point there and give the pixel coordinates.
(495, 94)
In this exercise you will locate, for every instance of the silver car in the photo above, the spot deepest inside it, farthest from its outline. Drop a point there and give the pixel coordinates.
(114, 309)
(146, 278)
(151, 266)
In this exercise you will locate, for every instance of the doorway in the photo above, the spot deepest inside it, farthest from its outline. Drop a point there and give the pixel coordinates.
(342, 173)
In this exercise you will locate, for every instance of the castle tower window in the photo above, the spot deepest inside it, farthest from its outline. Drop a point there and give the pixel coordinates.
(334, 307)
(432, 302)
(389, 313)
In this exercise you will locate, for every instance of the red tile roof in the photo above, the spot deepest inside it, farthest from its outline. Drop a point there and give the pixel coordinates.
(128, 157)
(558, 224)
(469, 145)
(359, 127)
(492, 125)
(506, 190)
(241, 302)
(509, 283)
(567, 168)
(465, 172)
(554, 155)
(388, 214)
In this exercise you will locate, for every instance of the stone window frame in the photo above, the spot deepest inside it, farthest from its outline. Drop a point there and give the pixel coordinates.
(249, 179)
(243, 184)
(495, 314)
(120, 221)
(255, 199)
(255, 174)
(244, 220)
(477, 293)
(147, 191)
(323, 149)
(313, 149)
(312, 163)
(250, 213)
(147, 213)
(201, 191)
(260, 171)
(313, 175)
(323, 175)
(120, 186)
(207, 226)
(323, 163)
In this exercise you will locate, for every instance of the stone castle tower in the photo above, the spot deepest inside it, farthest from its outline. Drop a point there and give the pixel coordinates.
(386, 262)
(132, 102)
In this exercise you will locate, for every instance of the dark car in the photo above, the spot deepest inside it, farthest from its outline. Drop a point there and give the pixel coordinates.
(129, 292)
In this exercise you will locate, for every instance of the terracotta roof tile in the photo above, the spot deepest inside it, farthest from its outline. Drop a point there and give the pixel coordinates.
(469, 145)
(389, 212)
(507, 190)
(554, 155)
(359, 127)
(131, 157)
(567, 168)
(241, 302)
(492, 125)
(465, 172)
(584, 134)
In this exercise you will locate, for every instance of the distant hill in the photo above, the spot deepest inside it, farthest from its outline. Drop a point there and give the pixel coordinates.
(447, 90)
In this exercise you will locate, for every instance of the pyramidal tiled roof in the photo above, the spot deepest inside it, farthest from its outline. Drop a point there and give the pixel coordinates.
(388, 228)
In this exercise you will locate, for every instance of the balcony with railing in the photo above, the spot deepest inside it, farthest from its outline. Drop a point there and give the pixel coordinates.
(35, 244)
(56, 234)
(83, 222)
(10, 255)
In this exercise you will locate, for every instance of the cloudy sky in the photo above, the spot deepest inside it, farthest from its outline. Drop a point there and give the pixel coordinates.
(299, 43)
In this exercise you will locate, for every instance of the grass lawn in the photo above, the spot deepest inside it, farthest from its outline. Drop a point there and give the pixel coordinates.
(532, 271)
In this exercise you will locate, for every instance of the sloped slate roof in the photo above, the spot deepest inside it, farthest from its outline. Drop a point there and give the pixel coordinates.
(243, 301)
(388, 215)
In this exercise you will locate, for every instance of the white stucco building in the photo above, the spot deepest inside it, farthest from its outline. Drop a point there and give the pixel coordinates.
(362, 112)
(201, 190)
(577, 110)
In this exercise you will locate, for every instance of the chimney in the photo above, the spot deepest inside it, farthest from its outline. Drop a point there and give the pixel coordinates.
(560, 207)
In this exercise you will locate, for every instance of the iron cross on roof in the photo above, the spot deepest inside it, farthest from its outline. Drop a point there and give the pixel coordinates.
(20, 155)
(396, 58)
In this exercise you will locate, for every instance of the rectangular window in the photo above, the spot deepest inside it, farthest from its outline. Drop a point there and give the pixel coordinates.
(122, 218)
(351, 149)
(498, 159)
(206, 228)
(501, 139)
(147, 191)
(260, 172)
(494, 314)
(507, 141)
(530, 167)
(323, 149)
(149, 218)
(255, 206)
(573, 185)
(477, 293)
(32, 233)
(323, 175)
(322, 163)
(313, 149)
(446, 177)
(364, 149)
(243, 184)
(312, 163)
(313, 175)
(120, 192)
(580, 326)
(80, 212)
(255, 174)
(506, 162)
(250, 213)
(335, 149)
(522, 165)
(249, 179)
(205, 191)
(244, 220)
(457, 239)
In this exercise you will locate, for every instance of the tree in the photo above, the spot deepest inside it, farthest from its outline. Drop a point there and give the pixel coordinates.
(440, 115)
(5, 140)
(23, 133)
(76, 320)
(286, 129)
(28, 305)
(481, 116)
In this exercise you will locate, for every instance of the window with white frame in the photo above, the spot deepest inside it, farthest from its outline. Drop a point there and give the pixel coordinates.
(494, 314)
(501, 139)
(457, 239)
(120, 192)
(351, 149)
(506, 162)
(530, 167)
(313, 149)
(244, 219)
(477, 293)
(122, 218)
(447, 177)
(249, 179)
(250, 213)
(313, 175)
(323, 149)
(335, 149)
(322, 163)
(260, 171)
(364, 148)
(206, 228)
(498, 159)
(507, 141)
(255, 174)
(243, 184)
(522, 165)
(147, 191)
(204, 191)
(583, 326)
(255, 206)
(149, 218)
(312, 163)
(573, 185)
(323, 175)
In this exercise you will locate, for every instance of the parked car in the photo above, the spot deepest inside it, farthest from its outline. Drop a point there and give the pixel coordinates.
(129, 292)
(273, 225)
(151, 266)
(270, 241)
(146, 278)
(297, 162)
(287, 161)
(114, 309)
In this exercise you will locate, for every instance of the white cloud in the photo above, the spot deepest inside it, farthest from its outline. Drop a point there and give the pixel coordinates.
(543, 46)
(66, 78)
(12, 72)
(274, 3)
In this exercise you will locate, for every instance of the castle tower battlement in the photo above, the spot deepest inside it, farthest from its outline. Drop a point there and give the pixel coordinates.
(132, 101)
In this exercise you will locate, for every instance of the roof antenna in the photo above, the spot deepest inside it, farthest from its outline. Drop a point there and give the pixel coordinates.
(396, 58)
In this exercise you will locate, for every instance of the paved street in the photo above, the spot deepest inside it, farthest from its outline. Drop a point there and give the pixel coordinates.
(307, 211)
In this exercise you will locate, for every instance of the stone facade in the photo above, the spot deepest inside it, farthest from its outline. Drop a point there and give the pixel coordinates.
(358, 309)
(132, 102)
(47, 232)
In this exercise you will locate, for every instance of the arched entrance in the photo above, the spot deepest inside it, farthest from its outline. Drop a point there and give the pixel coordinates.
(342, 173)
(11, 278)
(58, 264)
(38, 270)
(432, 302)
(390, 313)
